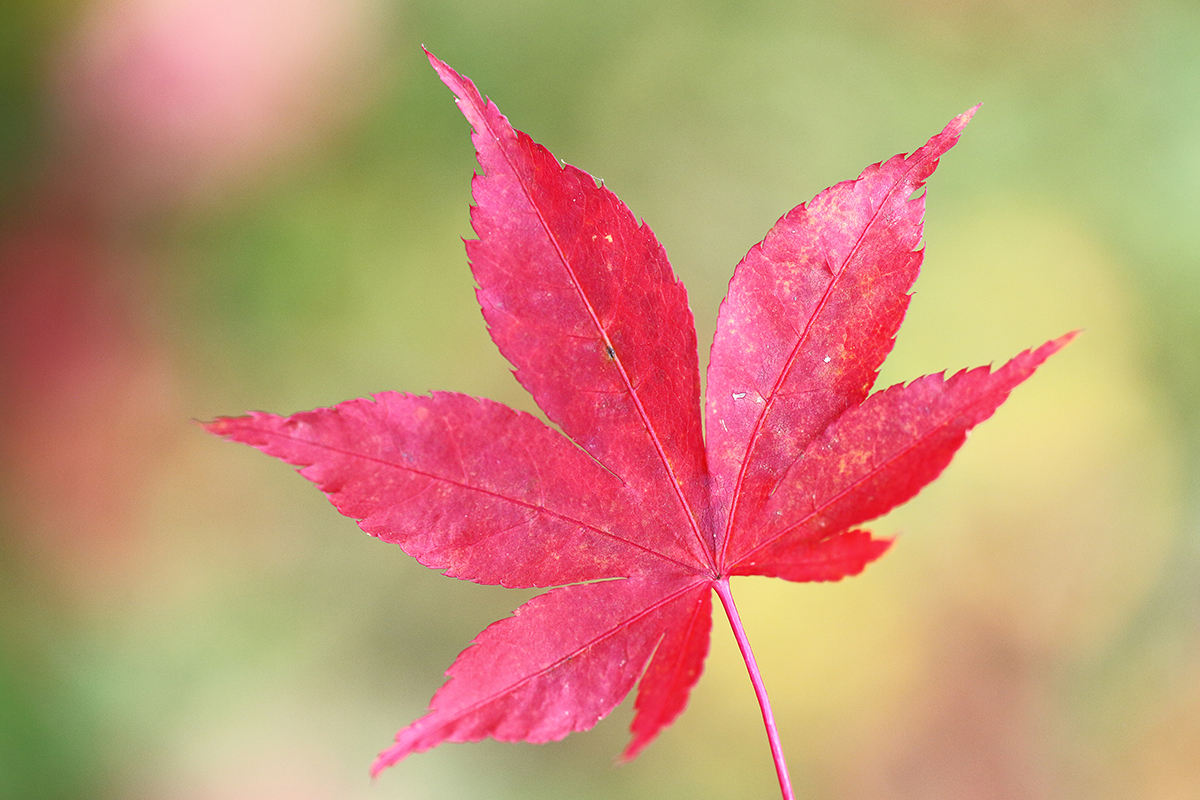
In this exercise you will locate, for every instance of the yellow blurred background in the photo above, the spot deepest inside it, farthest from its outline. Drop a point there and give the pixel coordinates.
(210, 206)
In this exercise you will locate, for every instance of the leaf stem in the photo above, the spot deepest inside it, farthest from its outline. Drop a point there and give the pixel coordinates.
(760, 690)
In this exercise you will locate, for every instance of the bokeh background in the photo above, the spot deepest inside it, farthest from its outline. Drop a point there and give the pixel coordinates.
(210, 206)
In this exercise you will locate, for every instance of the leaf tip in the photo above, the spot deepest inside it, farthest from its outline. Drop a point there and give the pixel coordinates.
(955, 127)
(221, 426)
(1054, 345)
(637, 743)
(628, 754)
(434, 61)
(458, 83)
(388, 758)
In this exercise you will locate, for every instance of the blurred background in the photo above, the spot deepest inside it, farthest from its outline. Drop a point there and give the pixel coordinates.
(210, 206)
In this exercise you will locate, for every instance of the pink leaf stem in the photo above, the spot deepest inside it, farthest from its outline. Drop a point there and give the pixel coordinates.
(760, 690)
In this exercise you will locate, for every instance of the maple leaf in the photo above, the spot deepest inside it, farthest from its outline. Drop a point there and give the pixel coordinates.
(628, 508)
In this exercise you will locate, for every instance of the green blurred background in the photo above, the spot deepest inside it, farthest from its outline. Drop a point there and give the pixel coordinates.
(211, 206)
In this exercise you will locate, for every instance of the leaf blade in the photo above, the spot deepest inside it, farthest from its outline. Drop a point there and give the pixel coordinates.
(581, 299)
(812, 312)
(807, 560)
(489, 494)
(673, 671)
(532, 678)
(879, 454)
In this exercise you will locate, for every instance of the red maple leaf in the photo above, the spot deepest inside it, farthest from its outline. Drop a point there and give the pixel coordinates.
(631, 510)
